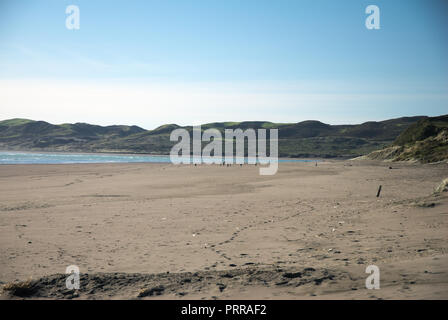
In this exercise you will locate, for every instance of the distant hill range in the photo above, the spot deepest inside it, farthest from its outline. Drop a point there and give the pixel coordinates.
(425, 141)
(302, 139)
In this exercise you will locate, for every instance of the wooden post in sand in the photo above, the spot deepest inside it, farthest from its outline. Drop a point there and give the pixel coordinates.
(379, 191)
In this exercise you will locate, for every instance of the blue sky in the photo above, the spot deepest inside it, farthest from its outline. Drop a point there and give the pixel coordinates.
(191, 62)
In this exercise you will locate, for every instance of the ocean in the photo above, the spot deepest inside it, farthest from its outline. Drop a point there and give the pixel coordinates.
(21, 157)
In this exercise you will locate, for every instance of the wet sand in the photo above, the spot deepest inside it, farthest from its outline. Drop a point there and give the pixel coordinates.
(160, 231)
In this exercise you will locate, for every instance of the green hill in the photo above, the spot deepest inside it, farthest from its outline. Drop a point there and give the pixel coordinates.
(303, 139)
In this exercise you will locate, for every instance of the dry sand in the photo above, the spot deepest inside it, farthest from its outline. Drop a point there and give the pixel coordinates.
(166, 232)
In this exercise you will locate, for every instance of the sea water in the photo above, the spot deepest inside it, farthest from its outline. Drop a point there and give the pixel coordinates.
(16, 157)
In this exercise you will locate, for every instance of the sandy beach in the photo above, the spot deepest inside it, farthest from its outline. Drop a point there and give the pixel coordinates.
(160, 231)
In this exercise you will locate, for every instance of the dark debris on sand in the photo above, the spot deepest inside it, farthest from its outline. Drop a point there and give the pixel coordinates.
(134, 286)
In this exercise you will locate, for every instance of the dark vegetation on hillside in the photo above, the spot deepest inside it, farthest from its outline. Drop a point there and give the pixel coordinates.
(425, 141)
(302, 139)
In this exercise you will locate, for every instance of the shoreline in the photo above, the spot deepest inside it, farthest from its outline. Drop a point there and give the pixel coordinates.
(158, 155)
(130, 156)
